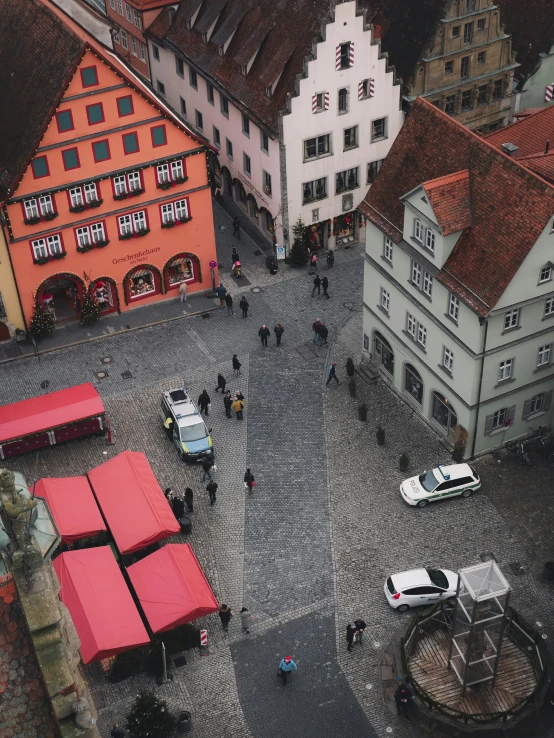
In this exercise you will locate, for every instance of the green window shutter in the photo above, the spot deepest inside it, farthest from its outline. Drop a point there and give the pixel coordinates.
(65, 121)
(40, 166)
(70, 159)
(130, 143)
(158, 135)
(125, 105)
(101, 151)
(95, 113)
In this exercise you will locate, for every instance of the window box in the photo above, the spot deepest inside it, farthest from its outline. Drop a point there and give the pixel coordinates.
(84, 249)
(142, 232)
(132, 193)
(50, 257)
(101, 244)
(59, 256)
(169, 224)
(42, 260)
(93, 245)
(180, 180)
(32, 221)
(185, 219)
(77, 208)
(126, 236)
(94, 203)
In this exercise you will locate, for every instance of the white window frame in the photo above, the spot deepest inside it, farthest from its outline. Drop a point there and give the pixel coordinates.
(40, 250)
(246, 164)
(342, 111)
(90, 192)
(263, 138)
(31, 208)
(132, 222)
(505, 370)
(416, 274)
(387, 249)
(545, 274)
(181, 208)
(54, 244)
(97, 232)
(124, 42)
(133, 46)
(376, 165)
(137, 20)
(132, 178)
(499, 418)
(176, 168)
(421, 335)
(418, 230)
(543, 355)
(142, 51)
(37, 206)
(447, 359)
(374, 137)
(76, 197)
(266, 181)
(411, 326)
(427, 285)
(511, 319)
(385, 299)
(139, 220)
(549, 307)
(120, 7)
(112, 4)
(453, 307)
(128, 13)
(173, 211)
(246, 125)
(430, 240)
(354, 145)
(537, 404)
(168, 213)
(83, 236)
(46, 204)
(120, 185)
(125, 224)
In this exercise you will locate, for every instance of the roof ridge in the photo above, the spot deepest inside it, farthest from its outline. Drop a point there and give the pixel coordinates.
(454, 177)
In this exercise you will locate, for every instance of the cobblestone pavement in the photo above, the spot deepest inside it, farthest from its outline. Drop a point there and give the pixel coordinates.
(310, 549)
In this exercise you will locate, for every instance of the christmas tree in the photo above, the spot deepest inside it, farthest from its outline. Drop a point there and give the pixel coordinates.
(90, 312)
(299, 250)
(42, 322)
(150, 718)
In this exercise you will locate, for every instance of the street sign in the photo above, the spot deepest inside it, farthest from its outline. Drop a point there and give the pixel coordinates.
(212, 264)
(280, 252)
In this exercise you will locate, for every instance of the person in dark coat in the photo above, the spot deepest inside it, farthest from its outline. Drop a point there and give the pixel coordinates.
(249, 480)
(323, 333)
(178, 507)
(317, 285)
(350, 633)
(229, 303)
(235, 256)
(189, 499)
(325, 285)
(227, 402)
(225, 614)
(236, 228)
(403, 698)
(330, 259)
(316, 328)
(278, 330)
(243, 305)
(332, 374)
(221, 291)
(236, 365)
(211, 489)
(117, 732)
(360, 627)
(168, 494)
(221, 382)
(207, 468)
(263, 333)
(203, 402)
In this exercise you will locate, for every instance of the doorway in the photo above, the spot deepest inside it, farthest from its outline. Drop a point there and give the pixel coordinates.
(444, 414)
(63, 295)
(383, 352)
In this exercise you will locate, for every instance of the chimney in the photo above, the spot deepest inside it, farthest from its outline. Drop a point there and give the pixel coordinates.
(509, 148)
(547, 147)
(171, 13)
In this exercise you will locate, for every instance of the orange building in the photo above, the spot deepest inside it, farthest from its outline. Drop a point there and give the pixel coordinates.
(105, 190)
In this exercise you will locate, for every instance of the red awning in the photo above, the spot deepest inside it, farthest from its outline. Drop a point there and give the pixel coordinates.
(49, 411)
(171, 587)
(132, 502)
(72, 505)
(101, 607)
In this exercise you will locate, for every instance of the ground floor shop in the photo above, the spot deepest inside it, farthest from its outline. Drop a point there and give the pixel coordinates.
(344, 231)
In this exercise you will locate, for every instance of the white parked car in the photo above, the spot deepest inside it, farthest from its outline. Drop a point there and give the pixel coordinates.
(441, 482)
(420, 587)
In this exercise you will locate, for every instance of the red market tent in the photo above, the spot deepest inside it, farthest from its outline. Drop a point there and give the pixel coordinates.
(132, 502)
(72, 505)
(101, 607)
(171, 587)
(49, 411)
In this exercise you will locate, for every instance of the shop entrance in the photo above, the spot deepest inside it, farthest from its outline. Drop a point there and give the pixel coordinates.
(63, 295)
(443, 414)
(346, 229)
(383, 352)
(317, 235)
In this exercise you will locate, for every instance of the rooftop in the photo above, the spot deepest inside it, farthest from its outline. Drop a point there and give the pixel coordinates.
(449, 198)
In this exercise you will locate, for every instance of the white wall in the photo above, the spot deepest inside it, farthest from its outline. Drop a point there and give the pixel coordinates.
(534, 89)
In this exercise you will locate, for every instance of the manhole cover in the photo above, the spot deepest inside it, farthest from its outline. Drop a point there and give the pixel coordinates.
(255, 290)
(101, 375)
(126, 375)
(107, 360)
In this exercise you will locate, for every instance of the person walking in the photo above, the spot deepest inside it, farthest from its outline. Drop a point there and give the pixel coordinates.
(168, 494)
(360, 627)
(350, 633)
(211, 489)
(189, 499)
(325, 285)
(243, 305)
(238, 407)
(183, 291)
(221, 382)
(178, 507)
(317, 285)
(403, 698)
(323, 333)
(234, 256)
(229, 303)
(204, 402)
(218, 195)
(330, 259)
(263, 333)
(117, 732)
(207, 469)
(278, 330)
(225, 614)
(286, 666)
(236, 229)
(239, 396)
(313, 263)
(316, 328)
(227, 402)
(236, 365)
(221, 291)
(332, 374)
(249, 480)
(168, 425)
(245, 619)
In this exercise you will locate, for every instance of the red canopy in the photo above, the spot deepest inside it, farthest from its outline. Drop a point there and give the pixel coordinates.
(49, 411)
(171, 587)
(101, 606)
(132, 502)
(72, 505)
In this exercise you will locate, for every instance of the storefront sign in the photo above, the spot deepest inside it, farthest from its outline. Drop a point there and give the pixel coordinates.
(249, 186)
(134, 257)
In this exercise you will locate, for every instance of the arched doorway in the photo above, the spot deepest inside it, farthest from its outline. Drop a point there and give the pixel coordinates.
(252, 206)
(268, 224)
(141, 282)
(240, 194)
(183, 267)
(383, 353)
(63, 294)
(444, 414)
(226, 182)
(413, 384)
(4, 332)
(104, 292)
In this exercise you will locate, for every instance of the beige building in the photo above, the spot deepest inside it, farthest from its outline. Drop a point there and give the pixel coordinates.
(467, 69)
(11, 317)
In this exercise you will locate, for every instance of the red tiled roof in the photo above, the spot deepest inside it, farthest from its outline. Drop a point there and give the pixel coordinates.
(150, 4)
(529, 134)
(510, 206)
(541, 164)
(449, 198)
(25, 706)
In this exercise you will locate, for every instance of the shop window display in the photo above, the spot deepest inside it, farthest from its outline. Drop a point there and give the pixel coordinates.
(102, 293)
(345, 229)
(141, 283)
(179, 270)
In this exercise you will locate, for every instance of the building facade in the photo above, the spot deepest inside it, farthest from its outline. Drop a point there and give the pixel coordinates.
(302, 120)
(113, 199)
(458, 284)
(11, 317)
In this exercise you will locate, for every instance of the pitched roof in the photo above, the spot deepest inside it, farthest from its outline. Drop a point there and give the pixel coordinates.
(30, 34)
(510, 205)
(449, 198)
(541, 164)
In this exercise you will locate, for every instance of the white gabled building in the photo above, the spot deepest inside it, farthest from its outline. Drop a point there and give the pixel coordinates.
(459, 282)
(298, 99)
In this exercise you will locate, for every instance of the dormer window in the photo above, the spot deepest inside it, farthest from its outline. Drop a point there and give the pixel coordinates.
(418, 230)
(430, 240)
(545, 274)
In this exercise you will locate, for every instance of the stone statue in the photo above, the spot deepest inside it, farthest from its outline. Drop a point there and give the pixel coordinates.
(15, 510)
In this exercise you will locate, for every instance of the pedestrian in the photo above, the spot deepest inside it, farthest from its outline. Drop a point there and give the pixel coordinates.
(317, 285)
(243, 305)
(221, 291)
(332, 374)
(211, 489)
(117, 732)
(278, 330)
(239, 396)
(235, 256)
(313, 263)
(218, 195)
(168, 494)
(236, 365)
(403, 698)
(249, 480)
(221, 382)
(189, 499)
(286, 665)
(350, 633)
(360, 627)
(325, 285)
(183, 291)
(229, 303)
(323, 333)
(236, 228)
(204, 402)
(207, 465)
(238, 407)
(263, 333)
(225, 614)
(168, 425)
(245, 619)
(316, 327)
(178, 507)
(330, 259)
(227, 402)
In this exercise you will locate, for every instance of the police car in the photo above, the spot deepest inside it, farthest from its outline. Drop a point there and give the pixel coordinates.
(444, 481)
(185, 426)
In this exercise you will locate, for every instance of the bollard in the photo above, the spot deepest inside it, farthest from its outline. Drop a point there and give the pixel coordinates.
(110, 434)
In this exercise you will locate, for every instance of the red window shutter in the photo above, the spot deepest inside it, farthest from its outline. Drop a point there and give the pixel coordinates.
(326, 101)
(337, 59)
(314, 103)
(352, 53)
